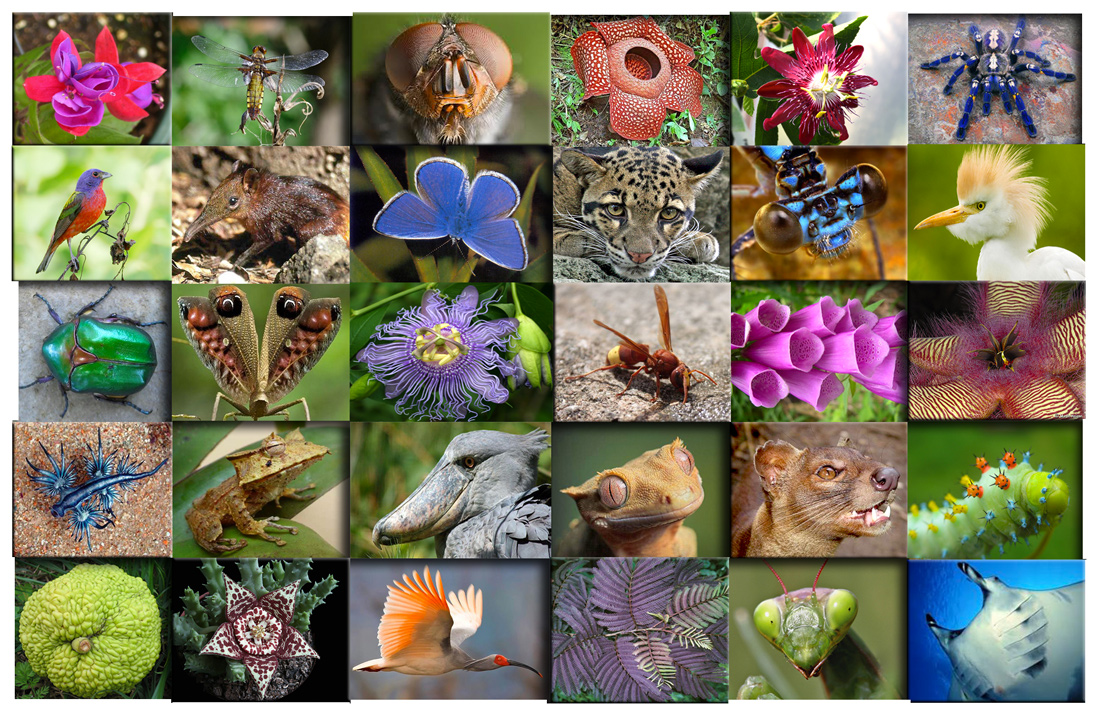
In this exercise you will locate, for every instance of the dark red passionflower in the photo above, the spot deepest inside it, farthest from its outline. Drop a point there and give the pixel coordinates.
(817, 84)
(644, 71)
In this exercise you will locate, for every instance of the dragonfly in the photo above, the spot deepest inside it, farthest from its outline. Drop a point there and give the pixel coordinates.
(255, 71)
(812, 628)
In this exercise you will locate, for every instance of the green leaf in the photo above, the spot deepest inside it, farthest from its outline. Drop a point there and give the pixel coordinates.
(379, 174)
(744, 37)
(467, 156)
(523, 211)
(189, 447)
(766, 108)
(360, 272)
(364, 386)
(810, 22)
(306, 544)
(845, 35)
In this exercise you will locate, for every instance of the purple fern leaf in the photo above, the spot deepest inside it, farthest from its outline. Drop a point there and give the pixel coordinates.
(700, 604)
(619, 678)
(575, 659)
(699, 673)
(626, 590)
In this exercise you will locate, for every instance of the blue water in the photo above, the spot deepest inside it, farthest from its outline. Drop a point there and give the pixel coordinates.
(939, 588)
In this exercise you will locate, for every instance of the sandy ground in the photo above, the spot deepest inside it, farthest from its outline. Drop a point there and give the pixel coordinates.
(699, 315)
(143, 518)
(141, 301)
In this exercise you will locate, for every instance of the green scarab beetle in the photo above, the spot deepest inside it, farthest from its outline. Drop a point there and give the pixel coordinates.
(111, 357)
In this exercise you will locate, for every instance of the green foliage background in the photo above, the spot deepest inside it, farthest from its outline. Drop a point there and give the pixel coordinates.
(936, 255)
(43, 178)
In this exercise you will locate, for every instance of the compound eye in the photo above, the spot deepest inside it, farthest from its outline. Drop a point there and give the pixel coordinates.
(613, 491)
(840, 609)
(767, 617)
(777, 229)
(407, 54)
(491, 51)
(873, 188)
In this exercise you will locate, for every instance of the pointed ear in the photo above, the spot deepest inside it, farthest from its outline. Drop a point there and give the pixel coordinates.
(773, 459)
(249, 178)
(705, 168)
(574, 492)
(585, 168)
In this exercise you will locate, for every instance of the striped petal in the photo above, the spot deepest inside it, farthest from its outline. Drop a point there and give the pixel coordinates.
(940, 354)
(1044, 397)
(953, 400)
(1013, 298)
(1067, 344)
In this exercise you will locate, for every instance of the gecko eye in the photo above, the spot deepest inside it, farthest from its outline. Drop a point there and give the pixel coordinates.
(469, 462)
(840, 609)
(684, 459)
(826, 472)
(613, 491)
(766, 617)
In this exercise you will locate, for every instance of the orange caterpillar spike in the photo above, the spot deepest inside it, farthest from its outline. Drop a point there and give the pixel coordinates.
(1010, 459)
(974, 490)
(1002, 481)
(981, 463)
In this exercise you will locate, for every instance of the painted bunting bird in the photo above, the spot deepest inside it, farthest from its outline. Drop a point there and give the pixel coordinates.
(80, 212)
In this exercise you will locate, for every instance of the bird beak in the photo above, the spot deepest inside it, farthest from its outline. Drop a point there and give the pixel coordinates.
(435, 506)
(105, 175)
(513, 663)
(955, 215)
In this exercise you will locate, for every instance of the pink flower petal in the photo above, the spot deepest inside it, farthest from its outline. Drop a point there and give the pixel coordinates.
(820, 317)
(105, 48)
(856, 352)
(802, 46)
(798, 350)
(826, 43)
(126, 109)
(855, 316)
(42, 88)
(816, 388)
(768, 317)
(893, 329)
(762, 385)
(739, 331)
(781, 62)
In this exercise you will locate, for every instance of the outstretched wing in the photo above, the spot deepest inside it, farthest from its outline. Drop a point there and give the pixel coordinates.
(407, 216)
(466, 613)
(297, 334)
(416, 619)
(625, 339)
(662, 312)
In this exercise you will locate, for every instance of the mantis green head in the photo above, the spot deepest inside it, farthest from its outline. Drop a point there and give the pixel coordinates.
(806, 625)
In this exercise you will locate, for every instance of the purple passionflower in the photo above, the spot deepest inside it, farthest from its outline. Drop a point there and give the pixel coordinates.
(817, 84)
(438, 359)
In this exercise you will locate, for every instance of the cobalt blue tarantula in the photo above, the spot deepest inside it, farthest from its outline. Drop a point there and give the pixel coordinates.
(993, 69)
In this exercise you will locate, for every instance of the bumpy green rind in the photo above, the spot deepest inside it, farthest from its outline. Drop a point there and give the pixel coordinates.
(116, 611)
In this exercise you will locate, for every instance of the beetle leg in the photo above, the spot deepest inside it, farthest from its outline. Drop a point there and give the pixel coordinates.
(43, 379)
(123, 401)
(115, 318)
(50, 309)
(64, 395)
(95, 303)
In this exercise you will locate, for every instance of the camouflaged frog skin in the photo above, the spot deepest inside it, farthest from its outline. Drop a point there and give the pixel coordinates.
(632, 207)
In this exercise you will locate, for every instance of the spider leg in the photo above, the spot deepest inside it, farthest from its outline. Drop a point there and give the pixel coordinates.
(976, 36)
(1028, 124)
(1002, 90)
(987, 95)
(964, 121)
(1016, 35)
(933, 64)
(1063, 76)
(1033, 56)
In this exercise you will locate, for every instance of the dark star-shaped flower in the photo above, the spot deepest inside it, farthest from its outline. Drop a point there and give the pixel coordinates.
(257, 631)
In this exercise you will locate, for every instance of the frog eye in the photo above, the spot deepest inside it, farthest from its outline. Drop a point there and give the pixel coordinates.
(469, 461)
(615, 210)
(840, 609)
(613, 491)
(669, 213)
(766, 617)
(826, 472)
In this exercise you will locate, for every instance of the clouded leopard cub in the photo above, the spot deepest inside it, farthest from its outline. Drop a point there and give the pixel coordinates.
(631, 208)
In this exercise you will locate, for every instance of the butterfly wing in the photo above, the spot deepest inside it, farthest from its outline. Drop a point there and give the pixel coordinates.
(441, 188)
(407, 216)
(222, 332)
(488, 229)
(442, 183)
(297, 334)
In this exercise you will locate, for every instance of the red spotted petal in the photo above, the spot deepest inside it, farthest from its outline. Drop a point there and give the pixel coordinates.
(126, 110)
(619, 30)
(280, 603)
(238, 599)
(590, 62)
(677, 52)
(781, 62)
(683, 91)
(262, 670)
(223, 642)
(634, 117)
(105, 48)
(42, 88)
(295, 645)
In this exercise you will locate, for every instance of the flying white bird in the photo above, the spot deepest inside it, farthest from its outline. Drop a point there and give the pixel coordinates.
(1002, 207)
(420, 632)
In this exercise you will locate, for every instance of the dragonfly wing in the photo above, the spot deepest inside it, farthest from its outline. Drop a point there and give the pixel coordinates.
(492, 196)
(291, 82)
(501, 241)
(297, 62)
(220, 75)
(221, 53)
(407, 216)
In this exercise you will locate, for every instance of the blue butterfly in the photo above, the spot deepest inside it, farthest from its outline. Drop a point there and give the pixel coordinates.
(447, 204)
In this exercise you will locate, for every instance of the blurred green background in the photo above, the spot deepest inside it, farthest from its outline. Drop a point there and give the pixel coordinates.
(390, 460)
(368, 397)
(324, 387)
(885, 298)
(941, 453)
(586, 449)
(43, 178)
(880, 590)
(208, 114)
(936, 255)
(526, 34)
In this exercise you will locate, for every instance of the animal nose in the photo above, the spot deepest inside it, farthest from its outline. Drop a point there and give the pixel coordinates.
(639, 258)
(885, 478)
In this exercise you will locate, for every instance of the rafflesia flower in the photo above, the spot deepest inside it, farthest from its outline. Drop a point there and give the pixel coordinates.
(780, 353)
(644, 71)
(79, 92)
(817, 83)
(257, 631)
(1020, 354)
(438, 359)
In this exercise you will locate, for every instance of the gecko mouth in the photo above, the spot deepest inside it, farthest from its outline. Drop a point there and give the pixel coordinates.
(877, 514)
(641, 522)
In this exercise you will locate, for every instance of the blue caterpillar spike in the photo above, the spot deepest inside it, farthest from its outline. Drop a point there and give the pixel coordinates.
(987, 96)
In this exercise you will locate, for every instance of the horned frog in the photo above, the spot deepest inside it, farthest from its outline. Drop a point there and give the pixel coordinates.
(261, 476)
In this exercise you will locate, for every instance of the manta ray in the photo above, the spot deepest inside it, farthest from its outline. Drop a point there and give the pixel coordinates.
(1023, 645)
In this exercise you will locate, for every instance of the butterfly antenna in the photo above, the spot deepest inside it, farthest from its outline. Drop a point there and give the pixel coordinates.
(777, 577)
(818, 577)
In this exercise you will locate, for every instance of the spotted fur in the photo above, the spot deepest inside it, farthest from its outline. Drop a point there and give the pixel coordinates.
(631, 208)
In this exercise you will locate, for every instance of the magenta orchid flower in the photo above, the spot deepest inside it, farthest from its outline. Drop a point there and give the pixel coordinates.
(80, 92)
(817, 84)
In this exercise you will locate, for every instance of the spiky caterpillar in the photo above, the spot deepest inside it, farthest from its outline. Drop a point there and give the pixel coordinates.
(1005, 505)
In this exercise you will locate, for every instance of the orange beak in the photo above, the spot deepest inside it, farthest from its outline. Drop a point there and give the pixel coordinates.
(955, 215)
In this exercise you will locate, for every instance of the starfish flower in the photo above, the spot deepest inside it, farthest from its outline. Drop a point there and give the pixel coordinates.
(438, 360)
(257, 631)
(79, 92)
(817, 84)
(1021, 355)
(644, 71)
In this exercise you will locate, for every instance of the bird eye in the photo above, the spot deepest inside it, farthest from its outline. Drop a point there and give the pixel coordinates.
(826, 472)
(777, 229)
(615, 210)
(980, 206)
(669, 213)
(469, 462)
(613, 491)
